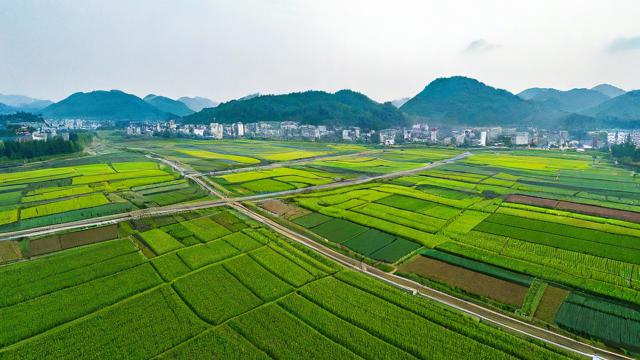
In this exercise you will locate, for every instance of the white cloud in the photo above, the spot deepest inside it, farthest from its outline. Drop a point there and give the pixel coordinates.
(480, 46)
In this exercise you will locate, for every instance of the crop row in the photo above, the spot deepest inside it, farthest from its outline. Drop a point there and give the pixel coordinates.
(64, 206)
(562, 242)
(478, 267)
(23, 281)
(141, 327)
(558, 270)
(566, 230)
(600, 321)
(440, 334)
(28, 318)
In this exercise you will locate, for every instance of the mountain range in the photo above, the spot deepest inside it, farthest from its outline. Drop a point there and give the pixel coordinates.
(15, 103)
(464, 101)
(456, 100)
(168, 105)
(105, 105)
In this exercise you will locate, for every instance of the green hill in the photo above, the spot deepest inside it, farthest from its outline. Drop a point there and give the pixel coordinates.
(105, 105)
(343, 108)
(464, 101)
(168, 105)
(621, 111)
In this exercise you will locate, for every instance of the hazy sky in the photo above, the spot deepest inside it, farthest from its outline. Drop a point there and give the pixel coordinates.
(386, 49)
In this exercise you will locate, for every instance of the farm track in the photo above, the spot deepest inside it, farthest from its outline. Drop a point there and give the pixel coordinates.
(497, 319)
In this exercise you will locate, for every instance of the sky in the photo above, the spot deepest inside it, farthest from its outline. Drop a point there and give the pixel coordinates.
(225, 49)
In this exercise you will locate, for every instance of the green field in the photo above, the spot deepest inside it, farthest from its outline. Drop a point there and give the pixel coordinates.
(83, 188)
(461, 214)
(249, 293)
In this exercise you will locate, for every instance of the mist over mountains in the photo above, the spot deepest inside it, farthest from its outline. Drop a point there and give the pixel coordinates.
(452, 101)
(14, 103)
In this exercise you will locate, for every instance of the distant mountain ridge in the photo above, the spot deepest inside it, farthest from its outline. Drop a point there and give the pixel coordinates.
(22, 103)
(608, 90)
(456, 100)
(461, 100)
(399, 102)
(343, 108)
(168, 105)
(105, 105)
(573, 100)
(621, 111)
(197, 103)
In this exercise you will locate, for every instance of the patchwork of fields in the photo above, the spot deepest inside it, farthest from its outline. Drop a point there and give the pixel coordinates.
(41, 197)
(548, 237)
(215, 284)
(489, 245)
(217, 155)
(329, 169)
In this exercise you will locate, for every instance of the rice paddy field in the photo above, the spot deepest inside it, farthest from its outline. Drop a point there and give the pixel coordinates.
(214, 284)
(87, 188)
(541, 228)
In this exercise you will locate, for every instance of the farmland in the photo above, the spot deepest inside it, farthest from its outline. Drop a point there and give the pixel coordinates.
(517, 231)
(82, 188)
(217, 155)
(545, 239)
(245, 291)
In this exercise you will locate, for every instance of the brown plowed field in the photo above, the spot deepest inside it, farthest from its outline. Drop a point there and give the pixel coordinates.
(283, 209)
(575, 207)
(503, 291)
(9, 250)
(53, 243)
(550, 304)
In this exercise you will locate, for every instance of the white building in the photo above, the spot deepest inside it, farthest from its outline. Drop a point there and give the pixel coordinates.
(388, 136)
(216, 130)
(238, 129)
(198, 131)
(434, 135)
(483, 138)
(520, 138)
(309, 131)
(351, 134)
(38, 136)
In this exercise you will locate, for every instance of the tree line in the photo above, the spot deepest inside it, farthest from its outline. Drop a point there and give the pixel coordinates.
(35, 149)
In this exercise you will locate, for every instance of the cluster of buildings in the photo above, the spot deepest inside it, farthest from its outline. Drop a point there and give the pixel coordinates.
(418, 133)
(255, 130)
(37, 131)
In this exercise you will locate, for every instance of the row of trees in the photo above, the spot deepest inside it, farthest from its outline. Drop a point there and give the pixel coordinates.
(626, 153)
(35, 149)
